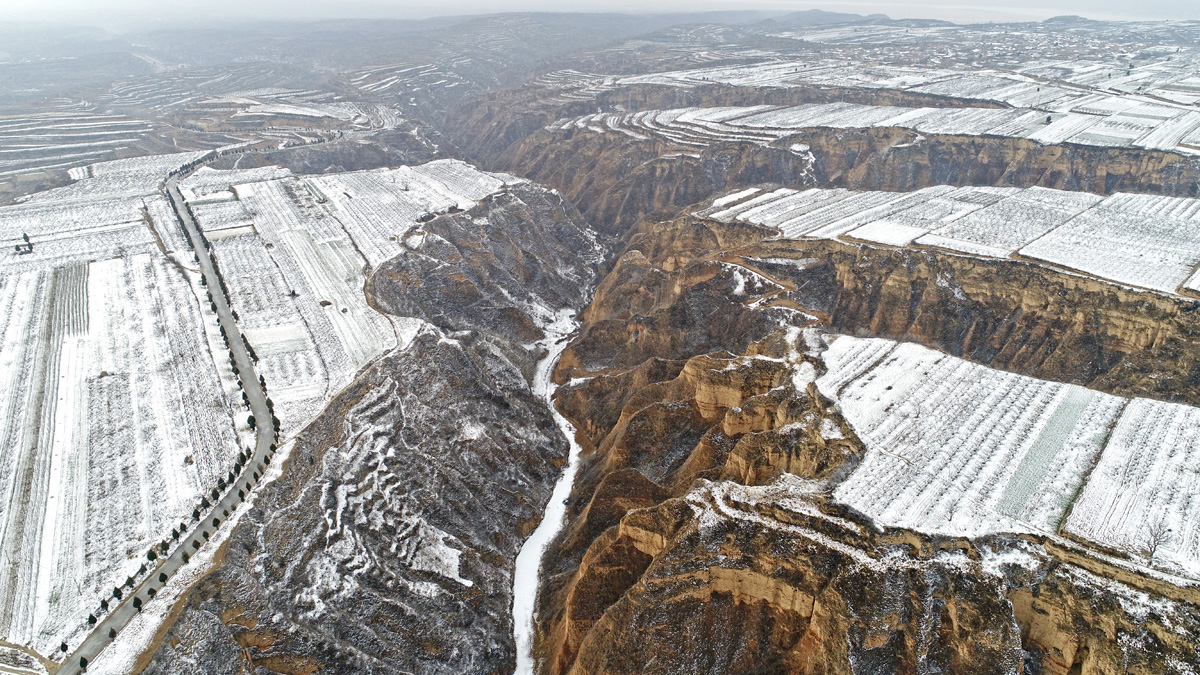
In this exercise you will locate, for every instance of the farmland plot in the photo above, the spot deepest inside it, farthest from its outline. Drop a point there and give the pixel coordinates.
(206, 181)
(138, 176)
(117, 409)
(62, 139)
(113, 209)
(1161, 128)
(115, 422)
(1125, 118)
(1140, 240)
(904, 226)
(958, 448)
(1147, 485)
(295, 253)
(1011, 223)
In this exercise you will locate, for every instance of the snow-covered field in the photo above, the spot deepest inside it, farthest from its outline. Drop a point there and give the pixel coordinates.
(60, 139)
(1152, 105)
(206, 182)
(295, 253)
(1144, 241)
(1147, 481)
(1110, 121)
(117, 404)
(958, 448)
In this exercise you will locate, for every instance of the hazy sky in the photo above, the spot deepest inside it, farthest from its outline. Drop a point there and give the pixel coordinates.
(116, 13)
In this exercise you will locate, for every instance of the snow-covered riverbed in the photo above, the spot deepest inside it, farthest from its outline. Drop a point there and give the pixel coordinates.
(525, 577)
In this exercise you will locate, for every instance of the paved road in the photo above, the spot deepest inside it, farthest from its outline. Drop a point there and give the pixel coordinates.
(122, 614)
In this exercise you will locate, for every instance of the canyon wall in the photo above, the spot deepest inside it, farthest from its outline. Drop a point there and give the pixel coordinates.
(701, 535)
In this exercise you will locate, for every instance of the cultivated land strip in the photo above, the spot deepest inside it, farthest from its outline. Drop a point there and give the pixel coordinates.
(120, 616)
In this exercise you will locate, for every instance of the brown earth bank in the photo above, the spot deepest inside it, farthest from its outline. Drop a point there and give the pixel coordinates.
(734, 579)
(692, 381)
(670, 296)
(615, 180)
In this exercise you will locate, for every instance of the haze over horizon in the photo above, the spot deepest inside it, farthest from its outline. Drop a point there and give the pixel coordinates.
(120, 15)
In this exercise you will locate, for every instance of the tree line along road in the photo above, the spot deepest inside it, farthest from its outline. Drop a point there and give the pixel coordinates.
(132, 602)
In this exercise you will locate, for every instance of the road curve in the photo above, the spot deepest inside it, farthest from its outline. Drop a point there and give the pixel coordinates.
(120, 616)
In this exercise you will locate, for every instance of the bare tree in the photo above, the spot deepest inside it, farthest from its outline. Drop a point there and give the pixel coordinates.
(1157, 536)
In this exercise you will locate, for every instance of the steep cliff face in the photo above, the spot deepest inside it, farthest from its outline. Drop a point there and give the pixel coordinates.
(1017, 316)
(745, 418)
(677, 300)
(702, 536)
(388, 544)
(616, 180)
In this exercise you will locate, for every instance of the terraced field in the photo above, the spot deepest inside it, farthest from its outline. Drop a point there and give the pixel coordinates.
(296, 253)
(958, 448)
(1143, 241)
(1138, 123)
(56, 140)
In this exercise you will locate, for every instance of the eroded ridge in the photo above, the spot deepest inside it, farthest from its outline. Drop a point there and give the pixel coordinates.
(729, 470)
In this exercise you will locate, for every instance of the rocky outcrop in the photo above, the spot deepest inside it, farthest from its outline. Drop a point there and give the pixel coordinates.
(729, 579)
(1009, 314)
(388, 544)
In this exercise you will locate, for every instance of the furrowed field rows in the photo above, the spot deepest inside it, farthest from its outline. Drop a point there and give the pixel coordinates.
(1153, 93)
(1170, 128)
(57, 140)
(296, 252)
(1145, 493)
(206, 181)
(117, 409)
(1144, 241)
(961, 449)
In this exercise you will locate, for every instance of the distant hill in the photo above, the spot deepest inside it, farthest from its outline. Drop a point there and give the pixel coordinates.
(1070, 20)
(820, 17)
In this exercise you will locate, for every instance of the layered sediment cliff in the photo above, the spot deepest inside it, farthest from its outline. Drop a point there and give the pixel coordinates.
(703, 508)
(616, 180)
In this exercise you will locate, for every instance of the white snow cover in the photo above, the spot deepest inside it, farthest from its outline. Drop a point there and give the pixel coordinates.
(958, 448)
(731, 198)
(961, 449)
(999, 230)
(296, 251)
(132, 641)
(529, 561)
(1148, 476)
(118, 406)
(117, 403)
(64, 137)
(1142, 240)
(1145, 241)
(1136, 122)
(206, 180)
